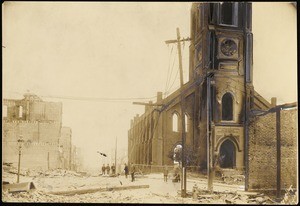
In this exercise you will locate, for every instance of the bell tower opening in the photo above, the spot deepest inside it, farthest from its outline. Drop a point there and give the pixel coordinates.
(227, 154)
(227, 107)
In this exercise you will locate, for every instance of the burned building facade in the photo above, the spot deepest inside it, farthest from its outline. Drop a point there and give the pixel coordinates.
(217, 97)
(46, 144)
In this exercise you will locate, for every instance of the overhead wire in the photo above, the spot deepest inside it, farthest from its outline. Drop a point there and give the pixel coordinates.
(98, 99)
(169, 64)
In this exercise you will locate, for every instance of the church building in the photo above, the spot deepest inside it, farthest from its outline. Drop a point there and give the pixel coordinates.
(216, 100)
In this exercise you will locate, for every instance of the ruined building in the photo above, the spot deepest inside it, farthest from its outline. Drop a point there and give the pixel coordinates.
(47, 145)
(217, 98)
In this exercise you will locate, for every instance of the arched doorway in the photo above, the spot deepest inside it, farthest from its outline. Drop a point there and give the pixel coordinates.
(227, 154)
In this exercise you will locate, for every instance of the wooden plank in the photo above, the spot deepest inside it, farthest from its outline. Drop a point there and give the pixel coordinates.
(92, 190)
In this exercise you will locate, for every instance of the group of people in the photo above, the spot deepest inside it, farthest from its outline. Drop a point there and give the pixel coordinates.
(132, 170)
(106, 169)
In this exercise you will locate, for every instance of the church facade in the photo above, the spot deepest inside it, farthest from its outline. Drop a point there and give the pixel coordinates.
(216, 100)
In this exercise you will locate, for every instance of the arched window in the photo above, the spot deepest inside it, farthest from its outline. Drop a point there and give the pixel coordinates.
(227, 107)
(20, 111)
(175, 122)
(186, 123)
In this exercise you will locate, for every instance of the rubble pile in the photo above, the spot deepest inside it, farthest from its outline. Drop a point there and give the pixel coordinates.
(233, 198)
(290, 197)
(232, 176)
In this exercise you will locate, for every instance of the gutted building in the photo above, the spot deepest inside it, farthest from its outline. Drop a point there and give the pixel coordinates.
(39, 124)
(216, 99)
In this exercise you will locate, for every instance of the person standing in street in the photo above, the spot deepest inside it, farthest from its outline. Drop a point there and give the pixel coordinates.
(108, 169)
(103, 169)
(113, 169)
(166, 172)
(132, 171)
(126, 170)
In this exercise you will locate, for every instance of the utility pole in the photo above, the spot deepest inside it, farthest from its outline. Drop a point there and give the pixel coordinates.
(278, 154)
(183, 171)
(48, 160)
(116, 156)
(20, 142)
(210, 146)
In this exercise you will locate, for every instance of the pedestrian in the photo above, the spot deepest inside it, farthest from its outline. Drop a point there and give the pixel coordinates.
(108, 169)
(113, 169)
(132, 171)
(126, 170)
(166, 172)
(103, 169)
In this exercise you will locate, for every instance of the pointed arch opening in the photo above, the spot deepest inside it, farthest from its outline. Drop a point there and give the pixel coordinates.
(227, 107)
(175, 122)
(227, 154)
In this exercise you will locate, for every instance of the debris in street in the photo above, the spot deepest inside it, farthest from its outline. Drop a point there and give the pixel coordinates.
(290, 196)
(19, 187)
(83, 191)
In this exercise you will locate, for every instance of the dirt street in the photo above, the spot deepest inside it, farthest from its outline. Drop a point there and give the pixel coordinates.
(158, 191)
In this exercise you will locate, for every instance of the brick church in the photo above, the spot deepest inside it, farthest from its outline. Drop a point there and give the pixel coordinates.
(217, 97)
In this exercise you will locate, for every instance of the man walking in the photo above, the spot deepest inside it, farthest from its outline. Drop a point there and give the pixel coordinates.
(166, 172)
(132, 171)
(126, 170)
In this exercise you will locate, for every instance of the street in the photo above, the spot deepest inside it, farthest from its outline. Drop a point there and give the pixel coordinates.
(61, 181)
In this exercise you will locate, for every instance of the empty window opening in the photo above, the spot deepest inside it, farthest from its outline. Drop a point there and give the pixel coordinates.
(227, 154)
(211, 11)
(20, 111)
(227, 13)
(4, 111)
(175, 122)
(227, 107)
(186, 120)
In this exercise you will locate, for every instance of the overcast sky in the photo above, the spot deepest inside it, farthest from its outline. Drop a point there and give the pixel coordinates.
(117, 51)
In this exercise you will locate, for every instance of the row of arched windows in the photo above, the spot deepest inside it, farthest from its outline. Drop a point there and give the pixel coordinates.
(227, 112)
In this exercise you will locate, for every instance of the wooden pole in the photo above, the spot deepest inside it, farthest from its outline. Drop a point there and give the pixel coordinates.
(278, 149)
(48, 160)
(209, 138)
(19, 164)
(183, 172)
(116, 156)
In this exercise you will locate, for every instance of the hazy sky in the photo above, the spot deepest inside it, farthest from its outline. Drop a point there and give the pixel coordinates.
(117, 51)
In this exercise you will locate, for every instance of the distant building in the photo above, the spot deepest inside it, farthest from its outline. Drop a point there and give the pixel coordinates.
(40, 125)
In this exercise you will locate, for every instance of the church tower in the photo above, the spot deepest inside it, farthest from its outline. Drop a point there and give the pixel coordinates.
(221, 56)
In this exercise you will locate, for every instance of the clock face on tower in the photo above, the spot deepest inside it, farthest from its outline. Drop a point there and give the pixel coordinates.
(228, 47)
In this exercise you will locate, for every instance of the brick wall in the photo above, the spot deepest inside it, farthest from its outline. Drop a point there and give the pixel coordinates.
(34, 155)
(262, 151)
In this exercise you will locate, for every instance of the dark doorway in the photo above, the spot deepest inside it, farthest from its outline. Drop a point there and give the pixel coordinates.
(227, 155)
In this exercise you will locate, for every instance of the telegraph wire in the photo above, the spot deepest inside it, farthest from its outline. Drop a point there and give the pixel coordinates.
(169, 68)
(103, 99)
(166, 91)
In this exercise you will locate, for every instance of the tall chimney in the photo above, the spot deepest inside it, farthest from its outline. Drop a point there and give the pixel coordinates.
(159, 97)
(273, 101)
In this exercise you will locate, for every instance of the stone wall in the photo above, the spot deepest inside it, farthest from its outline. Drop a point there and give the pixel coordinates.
(262, 151)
